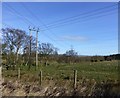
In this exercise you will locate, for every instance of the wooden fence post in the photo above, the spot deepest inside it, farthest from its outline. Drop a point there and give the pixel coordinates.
(18, 73)
(75, 79)
(40, 77)
(1, 81)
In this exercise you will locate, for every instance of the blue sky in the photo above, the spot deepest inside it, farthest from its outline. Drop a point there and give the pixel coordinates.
(83, 26)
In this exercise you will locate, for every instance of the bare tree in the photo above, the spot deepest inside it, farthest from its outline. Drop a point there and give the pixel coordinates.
(71, 56)
(13, 40)
(71, 53)
(47, 49)
(29, 54)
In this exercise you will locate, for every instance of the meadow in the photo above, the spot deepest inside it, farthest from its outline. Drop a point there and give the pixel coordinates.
(100, 71)
(93, 78)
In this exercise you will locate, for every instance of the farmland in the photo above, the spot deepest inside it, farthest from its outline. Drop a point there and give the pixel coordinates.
(52, 49)
(100, 71)
(51, 73)
(62, 75)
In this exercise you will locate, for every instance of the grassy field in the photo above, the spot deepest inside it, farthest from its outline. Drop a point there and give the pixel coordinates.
(60, 76)
(100, 71)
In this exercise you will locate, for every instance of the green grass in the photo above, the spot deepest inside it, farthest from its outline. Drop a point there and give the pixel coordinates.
(100, 71)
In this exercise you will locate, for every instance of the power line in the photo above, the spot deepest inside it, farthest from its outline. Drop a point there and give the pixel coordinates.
(33, 30)
(54, 41)
(61, 40)
(38, 19)
(76, 19)
(26, 20)
(33, 15)
(76, 22)
(82, 14)
(72, 22)
(61, 45)
(62, 24)
(6, 25)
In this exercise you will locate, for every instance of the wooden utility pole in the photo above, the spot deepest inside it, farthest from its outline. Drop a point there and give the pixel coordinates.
(37, 48)
(30, 34)
(30, 30)
(1, 81)
(37, 30)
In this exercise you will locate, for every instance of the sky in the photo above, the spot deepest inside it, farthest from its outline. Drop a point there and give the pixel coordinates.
(90, 28)
(60, 0)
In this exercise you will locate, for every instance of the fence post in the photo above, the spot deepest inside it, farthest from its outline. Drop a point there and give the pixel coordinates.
(40, 77)
(75, 79)
(1, 81)
(18, 73)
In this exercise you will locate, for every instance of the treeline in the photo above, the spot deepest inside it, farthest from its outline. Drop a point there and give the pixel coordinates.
(18, 48)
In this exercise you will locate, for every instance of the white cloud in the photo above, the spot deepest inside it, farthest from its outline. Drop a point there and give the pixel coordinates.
(74, 38)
